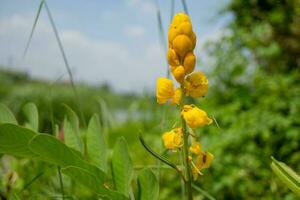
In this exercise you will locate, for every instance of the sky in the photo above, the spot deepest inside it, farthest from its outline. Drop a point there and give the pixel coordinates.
(114, 42)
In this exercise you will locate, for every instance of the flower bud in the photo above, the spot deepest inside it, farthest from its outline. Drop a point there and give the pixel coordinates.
(178, 73)
(182, 44)
(173, 59)
(189, 63)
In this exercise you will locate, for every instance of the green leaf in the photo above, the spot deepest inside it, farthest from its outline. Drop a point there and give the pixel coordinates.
(96, 147)
(6, 116)
(54, 151)
(83, 177)
(203, 192)
(14, 140)
(71, 130)
(88, 180)
(31, 112)
(122, 168)
(148, 185)
(290, 178)
(14, 196)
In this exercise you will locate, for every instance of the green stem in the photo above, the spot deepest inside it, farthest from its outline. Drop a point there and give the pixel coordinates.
(61, 183)
(188, 183)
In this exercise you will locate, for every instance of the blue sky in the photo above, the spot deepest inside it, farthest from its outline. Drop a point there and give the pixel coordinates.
(105, 41)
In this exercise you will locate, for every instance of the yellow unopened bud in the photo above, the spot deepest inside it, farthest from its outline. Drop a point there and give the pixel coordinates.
(182, 44)
(185, 28)
(196, 148)
(173, 59)
(194, 40)
(171, 36)
(196, 85)
(180, 18)
(177, 96)
(164, 90)
(189, 63)
(178, 73)
(173, 139)
(195, 117)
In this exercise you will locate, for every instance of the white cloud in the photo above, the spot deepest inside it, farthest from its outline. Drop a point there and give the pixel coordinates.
(145, 6)
(134, 31)
(92, 60)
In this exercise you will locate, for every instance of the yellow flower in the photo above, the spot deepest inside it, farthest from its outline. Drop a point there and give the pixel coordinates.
(178, 73)
(173, 139)
(196, 85)
(203, 161)
(189, 63)
(172, 57)
(177, 96)
(164, 90)
(195, 117)
(196, 148)
(182, 44)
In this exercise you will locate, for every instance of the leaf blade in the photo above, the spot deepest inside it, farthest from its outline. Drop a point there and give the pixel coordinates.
(55, 152)
(71, 130)
(122, 168)
(31, 112)
(96, 147)
(290, 178)
(148, 185)
(14, 140)
(6, 116)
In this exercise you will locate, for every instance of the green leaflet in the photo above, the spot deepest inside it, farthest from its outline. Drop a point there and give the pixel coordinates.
(148, 185)
(122, 169)
(53, 151)
(31, 113)
(96, 147)
(6, 116)
(286, 175)
(14, 140)
(71, 130)
(87, 179)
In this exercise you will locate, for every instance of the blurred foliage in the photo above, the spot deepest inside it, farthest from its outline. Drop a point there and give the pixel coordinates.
(270, 29)
(17, 89)
(254, 96)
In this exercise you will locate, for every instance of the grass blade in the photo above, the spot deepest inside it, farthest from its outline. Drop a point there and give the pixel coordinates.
(33, 27)
(185, 6)
(162, 35)
(65, 61)
(172, 10)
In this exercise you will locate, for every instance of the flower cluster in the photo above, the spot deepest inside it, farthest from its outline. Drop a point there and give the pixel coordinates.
(182, 61)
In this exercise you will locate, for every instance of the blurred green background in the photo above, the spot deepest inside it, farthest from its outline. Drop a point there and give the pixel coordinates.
(254, 95)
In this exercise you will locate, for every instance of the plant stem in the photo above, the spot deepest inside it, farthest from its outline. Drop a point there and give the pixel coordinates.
(188, 182)
(61, 183)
